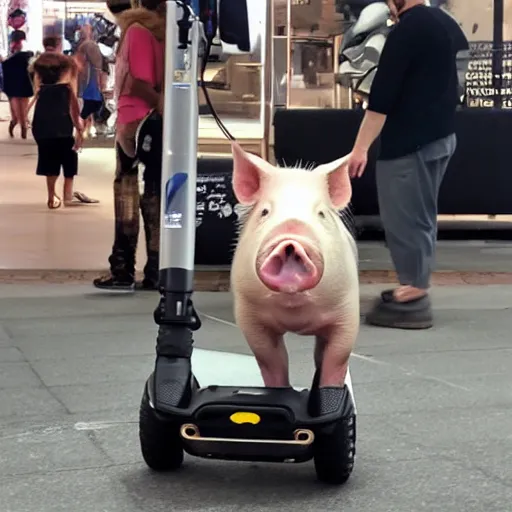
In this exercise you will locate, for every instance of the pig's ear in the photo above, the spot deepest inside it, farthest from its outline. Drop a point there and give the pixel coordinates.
(249, 175)
(338, 181)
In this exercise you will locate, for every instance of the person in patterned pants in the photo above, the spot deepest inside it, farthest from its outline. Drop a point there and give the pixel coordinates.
(139, 84)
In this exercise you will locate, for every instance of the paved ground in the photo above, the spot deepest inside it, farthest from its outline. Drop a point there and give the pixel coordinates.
(435, 409)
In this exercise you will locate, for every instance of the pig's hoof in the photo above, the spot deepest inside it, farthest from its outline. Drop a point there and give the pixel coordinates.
(335, 444)
(160, 440)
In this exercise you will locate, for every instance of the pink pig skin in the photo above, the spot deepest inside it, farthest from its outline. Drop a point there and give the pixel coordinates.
(295, 265)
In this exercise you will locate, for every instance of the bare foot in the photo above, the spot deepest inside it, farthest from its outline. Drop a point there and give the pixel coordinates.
(54, 203)
(408, 293)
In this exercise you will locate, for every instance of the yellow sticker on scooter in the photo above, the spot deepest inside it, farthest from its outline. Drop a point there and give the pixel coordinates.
(245, 417)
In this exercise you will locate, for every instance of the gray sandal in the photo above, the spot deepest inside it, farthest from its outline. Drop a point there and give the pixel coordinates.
(80, 196)
(414, 314)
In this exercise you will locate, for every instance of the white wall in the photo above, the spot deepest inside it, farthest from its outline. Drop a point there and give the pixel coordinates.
(35, 25)
(4, 8)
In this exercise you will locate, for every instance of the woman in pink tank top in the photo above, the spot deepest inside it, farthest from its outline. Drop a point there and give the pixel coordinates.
(139, 71)
(138, 48)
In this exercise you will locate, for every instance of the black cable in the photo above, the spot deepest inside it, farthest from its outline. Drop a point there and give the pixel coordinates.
(204, 88)
(221, 125)
(186, 13)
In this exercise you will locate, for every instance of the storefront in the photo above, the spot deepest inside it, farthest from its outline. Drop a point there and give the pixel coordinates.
(303, 41)
(287, 100)
(65, 17)
(320, 123)
(274, 97)
(43, 17)
(22, 15)
(312, 117)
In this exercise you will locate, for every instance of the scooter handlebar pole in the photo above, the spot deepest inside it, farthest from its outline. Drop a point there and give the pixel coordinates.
(175, 314)
(179, 162)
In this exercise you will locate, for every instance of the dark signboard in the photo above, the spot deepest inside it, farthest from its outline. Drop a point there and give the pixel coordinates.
(480, 91)
(217, 214)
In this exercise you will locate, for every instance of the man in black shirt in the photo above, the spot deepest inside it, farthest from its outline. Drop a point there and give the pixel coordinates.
(412, 107)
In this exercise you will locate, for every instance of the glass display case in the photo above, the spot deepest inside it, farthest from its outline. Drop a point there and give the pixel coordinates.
(306, 37)
(239, 87)
(65, 17)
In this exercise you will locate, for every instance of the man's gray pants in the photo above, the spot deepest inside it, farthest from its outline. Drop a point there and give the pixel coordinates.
(408, 189)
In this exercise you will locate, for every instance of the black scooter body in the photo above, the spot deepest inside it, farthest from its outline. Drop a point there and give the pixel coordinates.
(253, 424)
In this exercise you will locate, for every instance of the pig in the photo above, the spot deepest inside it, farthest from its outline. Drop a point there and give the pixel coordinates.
(295, 266)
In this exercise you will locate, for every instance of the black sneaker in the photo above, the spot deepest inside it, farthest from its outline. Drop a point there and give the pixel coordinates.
(111, 283)
(146, 285)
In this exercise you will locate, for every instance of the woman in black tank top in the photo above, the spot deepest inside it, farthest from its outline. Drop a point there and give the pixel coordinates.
(17, 84)
(52, 117)
(55, 117)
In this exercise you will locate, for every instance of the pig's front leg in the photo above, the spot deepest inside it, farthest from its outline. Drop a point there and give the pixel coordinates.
(332, 354)
(271, 355)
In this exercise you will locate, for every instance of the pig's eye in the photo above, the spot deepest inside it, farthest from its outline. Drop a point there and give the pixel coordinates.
(321, 215)
(264, 212)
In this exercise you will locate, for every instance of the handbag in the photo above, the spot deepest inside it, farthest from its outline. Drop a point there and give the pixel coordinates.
(149, 142)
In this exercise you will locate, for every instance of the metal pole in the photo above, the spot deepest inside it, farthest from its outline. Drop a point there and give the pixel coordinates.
(65, 19)
(289, 70)
(267, 78)
(497, 54)
(336, 44)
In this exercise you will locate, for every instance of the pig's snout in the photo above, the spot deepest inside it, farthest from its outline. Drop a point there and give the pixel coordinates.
(291, 267)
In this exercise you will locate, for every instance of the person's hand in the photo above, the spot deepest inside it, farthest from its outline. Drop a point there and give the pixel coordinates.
(79, 140)
(160, 106)
(80, 128)
(357, 162)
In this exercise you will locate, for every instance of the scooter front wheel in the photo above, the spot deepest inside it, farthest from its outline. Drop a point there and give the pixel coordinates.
(160, 440)
(334, 451)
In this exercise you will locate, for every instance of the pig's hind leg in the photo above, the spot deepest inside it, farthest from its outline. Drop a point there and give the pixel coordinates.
(271, 355)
